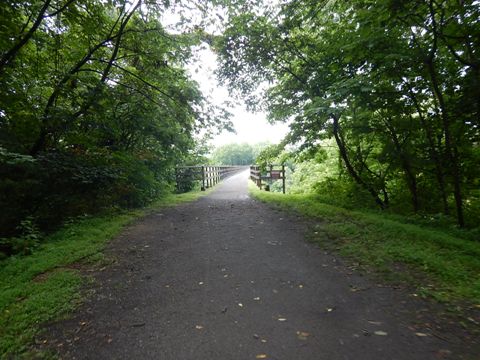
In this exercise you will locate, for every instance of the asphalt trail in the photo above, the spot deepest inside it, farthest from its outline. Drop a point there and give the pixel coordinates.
(227, 277)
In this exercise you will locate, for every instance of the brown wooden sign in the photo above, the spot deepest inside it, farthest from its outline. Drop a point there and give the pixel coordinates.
(264, 178)
(276, 174)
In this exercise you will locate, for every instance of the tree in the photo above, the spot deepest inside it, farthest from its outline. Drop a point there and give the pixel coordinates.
(390, 82)
(233, 154)
(96, 107)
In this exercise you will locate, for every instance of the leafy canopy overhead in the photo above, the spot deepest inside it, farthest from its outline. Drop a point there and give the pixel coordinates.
(96, 96)
(396, 84)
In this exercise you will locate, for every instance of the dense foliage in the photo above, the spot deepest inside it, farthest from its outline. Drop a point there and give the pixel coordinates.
(396, 84)
(96, 109)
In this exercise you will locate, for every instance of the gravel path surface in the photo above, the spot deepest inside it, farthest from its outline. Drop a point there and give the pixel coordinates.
(227, 277)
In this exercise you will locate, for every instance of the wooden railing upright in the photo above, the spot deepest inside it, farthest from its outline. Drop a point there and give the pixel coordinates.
(207, 175)
(263, 179)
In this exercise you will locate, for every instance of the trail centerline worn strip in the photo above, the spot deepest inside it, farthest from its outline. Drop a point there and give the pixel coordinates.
(227, 277)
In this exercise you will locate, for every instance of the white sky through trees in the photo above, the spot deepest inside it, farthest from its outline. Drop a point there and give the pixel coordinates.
(250, 127)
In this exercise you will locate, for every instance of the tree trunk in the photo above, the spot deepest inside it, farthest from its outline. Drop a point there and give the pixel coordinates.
(451, 150)
(344, 154)
(410, 176)
(434, 155)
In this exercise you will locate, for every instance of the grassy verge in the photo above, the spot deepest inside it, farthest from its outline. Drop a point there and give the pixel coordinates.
(45, 285)
(436, 263)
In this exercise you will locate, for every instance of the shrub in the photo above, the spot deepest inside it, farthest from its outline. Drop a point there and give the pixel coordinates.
(58, 185)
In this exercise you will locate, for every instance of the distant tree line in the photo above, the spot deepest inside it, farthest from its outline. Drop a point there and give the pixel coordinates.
(236, 154)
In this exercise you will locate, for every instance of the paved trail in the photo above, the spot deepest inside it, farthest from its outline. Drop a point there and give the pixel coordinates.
(227, 277)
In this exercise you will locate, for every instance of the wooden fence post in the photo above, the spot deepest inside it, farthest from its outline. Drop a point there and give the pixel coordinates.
(176, 179)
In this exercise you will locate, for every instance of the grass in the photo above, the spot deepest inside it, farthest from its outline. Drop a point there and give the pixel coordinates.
(45, 285)
(438, 264)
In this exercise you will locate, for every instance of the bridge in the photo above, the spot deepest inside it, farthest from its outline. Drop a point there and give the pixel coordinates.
(207, 176)
(228, 277)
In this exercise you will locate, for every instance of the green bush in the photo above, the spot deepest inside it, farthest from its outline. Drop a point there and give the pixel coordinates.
(40, 193)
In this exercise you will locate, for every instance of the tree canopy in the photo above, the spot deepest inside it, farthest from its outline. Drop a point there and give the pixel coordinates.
(395, 84)
(96, 107)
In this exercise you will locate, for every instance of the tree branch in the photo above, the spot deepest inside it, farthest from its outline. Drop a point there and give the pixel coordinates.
(61, 9)
(8, 57)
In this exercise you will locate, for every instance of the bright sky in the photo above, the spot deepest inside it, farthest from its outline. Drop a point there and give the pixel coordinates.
(250, 127)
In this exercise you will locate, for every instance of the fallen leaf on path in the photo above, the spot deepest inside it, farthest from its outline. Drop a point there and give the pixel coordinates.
(302, 335)
(261, 356)
(380, 333)
(472, 320)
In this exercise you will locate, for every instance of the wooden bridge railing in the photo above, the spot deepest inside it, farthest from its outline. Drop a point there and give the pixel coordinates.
(266, 177)
(206, 175)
